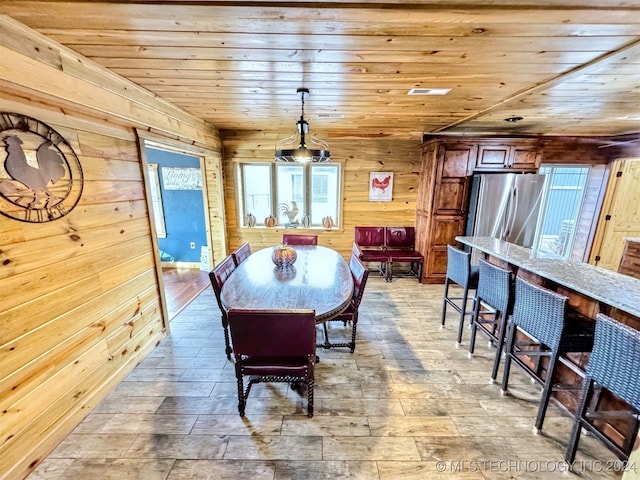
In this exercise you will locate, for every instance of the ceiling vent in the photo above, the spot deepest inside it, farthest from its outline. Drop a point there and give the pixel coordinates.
(330, 115)
(429, 91)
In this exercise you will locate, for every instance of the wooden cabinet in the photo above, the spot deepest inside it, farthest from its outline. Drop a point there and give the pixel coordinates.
(513, 155)
(443, 200)
(443, 191)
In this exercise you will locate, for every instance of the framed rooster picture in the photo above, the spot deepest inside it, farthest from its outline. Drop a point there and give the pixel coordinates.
(380, 186)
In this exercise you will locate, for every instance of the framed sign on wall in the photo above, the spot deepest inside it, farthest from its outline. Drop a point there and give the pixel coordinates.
(380, 186)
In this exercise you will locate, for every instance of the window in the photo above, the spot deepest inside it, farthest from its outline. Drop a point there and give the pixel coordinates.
(564, 198)
(256, 188)
(292, 193)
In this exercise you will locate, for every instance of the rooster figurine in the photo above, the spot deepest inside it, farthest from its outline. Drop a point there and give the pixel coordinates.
(381, 184)
(33, 180)
(291, 214)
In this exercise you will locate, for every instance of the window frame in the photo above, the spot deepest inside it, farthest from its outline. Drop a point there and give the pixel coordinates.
(156, 200)
(308, 195)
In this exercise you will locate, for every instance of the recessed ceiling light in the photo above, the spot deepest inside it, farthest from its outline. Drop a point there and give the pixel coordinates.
(513, 119)
(429, 91)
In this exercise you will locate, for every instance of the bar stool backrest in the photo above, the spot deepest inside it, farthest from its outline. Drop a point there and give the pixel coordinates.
(458, 266)
(494, 286)
(539, 312)
(615, 359)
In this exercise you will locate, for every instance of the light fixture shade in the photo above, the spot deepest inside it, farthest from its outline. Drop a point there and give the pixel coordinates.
(295, 149)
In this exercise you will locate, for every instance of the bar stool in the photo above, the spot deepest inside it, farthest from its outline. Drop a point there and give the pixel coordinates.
(494, 295)
(459, 271)
(541, 315)
(613, 365)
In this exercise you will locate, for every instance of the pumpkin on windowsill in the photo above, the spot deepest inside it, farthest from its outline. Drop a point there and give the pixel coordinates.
(327, 222)
(270, 221)
(284, 256)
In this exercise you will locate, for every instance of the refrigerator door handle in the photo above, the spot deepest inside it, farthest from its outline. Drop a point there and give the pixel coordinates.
(511, 213)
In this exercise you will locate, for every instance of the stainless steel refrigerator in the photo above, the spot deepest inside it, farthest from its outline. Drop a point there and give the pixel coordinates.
(506, 206)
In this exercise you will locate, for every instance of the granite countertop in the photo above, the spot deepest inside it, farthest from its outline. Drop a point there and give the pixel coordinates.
(609, 287)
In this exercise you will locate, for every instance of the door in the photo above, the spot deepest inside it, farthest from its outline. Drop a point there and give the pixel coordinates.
(620, 216)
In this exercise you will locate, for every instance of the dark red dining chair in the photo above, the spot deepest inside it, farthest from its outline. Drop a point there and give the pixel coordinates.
(359, 273)
(273, 346)
(294, 239)
(241, 253)
(218, 276)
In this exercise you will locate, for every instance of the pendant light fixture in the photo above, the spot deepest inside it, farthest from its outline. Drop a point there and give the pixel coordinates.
(295, 149)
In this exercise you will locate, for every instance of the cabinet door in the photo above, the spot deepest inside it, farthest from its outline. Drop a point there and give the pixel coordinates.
(451, 196)
(435, 268)
(525, 158)
(522, 156)
(493, 156)
(444, 230)
(455, 160)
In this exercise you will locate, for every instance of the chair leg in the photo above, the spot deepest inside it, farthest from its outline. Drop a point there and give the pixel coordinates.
(227, 343)
(383, 269)
(310, 385)
(353, 333)
(444, 302)
(585, 398)
(500, 346)
(511, 336)
(546, 391)
(474, 325)
(241, 397)
(389, 269)
(463, 312)
(327, 344)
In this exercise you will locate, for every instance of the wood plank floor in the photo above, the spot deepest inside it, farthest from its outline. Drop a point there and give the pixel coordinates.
(182, 286)
(406, 405)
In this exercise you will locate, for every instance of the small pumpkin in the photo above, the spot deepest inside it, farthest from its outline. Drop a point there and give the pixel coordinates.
(327, 222)
(306, 221)
(270, 221)
(251, 220)
(284, 256)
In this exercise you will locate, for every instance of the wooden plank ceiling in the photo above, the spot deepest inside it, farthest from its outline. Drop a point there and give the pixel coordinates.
(567, 67)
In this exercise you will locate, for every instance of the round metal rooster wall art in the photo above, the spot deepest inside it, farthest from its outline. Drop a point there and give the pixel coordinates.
(40, 174)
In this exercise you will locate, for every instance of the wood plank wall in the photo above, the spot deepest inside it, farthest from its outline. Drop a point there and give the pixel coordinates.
(358, 157)
(80, 302)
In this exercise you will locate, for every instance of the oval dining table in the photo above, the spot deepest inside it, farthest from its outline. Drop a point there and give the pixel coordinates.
(320, 280)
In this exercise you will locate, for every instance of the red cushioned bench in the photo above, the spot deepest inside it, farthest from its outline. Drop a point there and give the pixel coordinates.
(400, 245)
(386, 246)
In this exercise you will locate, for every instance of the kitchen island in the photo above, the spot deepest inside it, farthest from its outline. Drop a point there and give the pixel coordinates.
(590, 290)
(607, 290)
